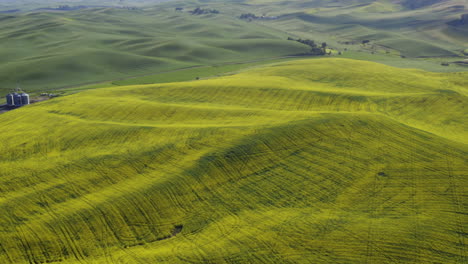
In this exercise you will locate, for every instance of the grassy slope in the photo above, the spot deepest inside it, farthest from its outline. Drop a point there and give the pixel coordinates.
(422, 32)
(322, 161)
(44, 51)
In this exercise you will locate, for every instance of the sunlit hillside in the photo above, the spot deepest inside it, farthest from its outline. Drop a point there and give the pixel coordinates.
(312, 161)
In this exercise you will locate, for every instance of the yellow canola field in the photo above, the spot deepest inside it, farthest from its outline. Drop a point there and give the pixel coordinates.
(311, 161)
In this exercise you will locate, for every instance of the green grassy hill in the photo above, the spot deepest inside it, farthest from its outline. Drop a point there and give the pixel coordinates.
(411, 28)
(45, 51)
(311, 161)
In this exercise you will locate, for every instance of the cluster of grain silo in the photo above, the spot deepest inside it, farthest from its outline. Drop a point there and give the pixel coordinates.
(17, 99)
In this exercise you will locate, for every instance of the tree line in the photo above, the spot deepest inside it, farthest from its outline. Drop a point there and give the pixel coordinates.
(201, 11)
(315, 49)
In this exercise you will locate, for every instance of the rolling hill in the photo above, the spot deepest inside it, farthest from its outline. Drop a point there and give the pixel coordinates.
(45, 51)
(394, 25)
(309, 161)
(48, 50)
(13, 6)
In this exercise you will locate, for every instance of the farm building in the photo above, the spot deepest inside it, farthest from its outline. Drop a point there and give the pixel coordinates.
(17, 99)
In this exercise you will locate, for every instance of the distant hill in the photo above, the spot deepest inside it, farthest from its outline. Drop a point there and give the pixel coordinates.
(462, 22)
(50, 49)
(415, 4)
(47, 50)
(411, 28)
(30, 5)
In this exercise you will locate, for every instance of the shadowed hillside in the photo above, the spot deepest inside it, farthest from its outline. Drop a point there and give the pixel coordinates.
(321, 161)
(415, 4)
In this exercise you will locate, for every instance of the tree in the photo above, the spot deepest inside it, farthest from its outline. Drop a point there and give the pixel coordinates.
(317, 51)
(197, 11)
(248, 16)
(324, 47)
